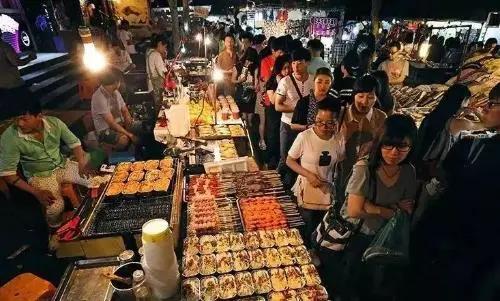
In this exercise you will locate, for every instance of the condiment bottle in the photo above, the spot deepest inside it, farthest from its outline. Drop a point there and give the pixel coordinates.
(141, 291)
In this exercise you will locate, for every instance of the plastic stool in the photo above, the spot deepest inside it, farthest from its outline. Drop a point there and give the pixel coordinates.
(27, 287)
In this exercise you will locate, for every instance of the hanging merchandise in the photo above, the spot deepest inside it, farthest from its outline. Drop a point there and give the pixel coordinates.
(276, 29)
(282, 15)
(298, 28)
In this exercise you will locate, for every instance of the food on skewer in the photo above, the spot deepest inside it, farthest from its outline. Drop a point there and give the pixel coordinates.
(262, 213)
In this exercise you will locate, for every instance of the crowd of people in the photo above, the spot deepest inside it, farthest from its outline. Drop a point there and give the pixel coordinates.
(349, 159)
(333, 135)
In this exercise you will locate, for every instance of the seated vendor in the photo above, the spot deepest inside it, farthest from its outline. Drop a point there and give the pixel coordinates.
(34, 140)
(112, 120)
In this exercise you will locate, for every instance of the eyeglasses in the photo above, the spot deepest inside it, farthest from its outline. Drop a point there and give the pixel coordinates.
(328, 124)
(400, 148)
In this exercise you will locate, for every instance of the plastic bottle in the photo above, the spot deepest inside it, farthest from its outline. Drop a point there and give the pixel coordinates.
(141, 291)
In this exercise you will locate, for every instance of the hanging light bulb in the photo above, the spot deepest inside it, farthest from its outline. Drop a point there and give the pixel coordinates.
(183, 49)
(207, 41)
(217, 75)
(93, 59)
(198, 37)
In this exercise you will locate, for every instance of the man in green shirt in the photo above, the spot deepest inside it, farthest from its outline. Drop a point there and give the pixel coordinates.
(34, 141)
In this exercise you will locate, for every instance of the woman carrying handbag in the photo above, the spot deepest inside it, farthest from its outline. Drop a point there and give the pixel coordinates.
(245, 94)
(317, 149)
(379, 184)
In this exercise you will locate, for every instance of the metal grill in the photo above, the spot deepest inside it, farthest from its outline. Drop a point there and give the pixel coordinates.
(129, 215)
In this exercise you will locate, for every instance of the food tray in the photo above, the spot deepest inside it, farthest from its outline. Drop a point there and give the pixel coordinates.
(83, 280)
(129, 215)
(288, 206)
(167, 190)
(213, 135)
(298, 275)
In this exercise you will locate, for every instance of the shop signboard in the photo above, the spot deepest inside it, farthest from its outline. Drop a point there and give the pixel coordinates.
(202, 11)
(15, 32)
(136, 12)
(325, 27)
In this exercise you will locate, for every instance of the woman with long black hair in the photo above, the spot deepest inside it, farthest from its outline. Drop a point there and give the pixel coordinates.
(440, 129)
(385, 100)
(379, 184)
(244, 78)
(281, 69)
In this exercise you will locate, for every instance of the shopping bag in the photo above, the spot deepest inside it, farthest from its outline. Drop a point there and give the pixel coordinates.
(391, 244)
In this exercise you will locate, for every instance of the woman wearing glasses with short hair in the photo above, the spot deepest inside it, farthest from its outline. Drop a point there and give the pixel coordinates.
(317, 149)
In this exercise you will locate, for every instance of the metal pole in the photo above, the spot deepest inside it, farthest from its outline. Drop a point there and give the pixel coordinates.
(463, 52)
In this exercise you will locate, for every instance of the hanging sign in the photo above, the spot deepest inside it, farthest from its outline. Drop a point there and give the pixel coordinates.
(136, 12)
(202, 11)
(324, 27)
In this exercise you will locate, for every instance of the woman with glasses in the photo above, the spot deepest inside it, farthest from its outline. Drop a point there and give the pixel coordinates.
(305, 111)
(379, 184)
(313, 156)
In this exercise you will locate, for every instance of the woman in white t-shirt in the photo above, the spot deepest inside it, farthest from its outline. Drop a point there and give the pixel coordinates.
(317, 149)
(156, 68)
(126, 37)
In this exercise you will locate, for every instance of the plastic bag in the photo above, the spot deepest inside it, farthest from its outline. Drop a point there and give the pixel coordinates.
(391, 244)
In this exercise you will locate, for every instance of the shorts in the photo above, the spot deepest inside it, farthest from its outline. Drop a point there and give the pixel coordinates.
(108, 136)
(260, 109)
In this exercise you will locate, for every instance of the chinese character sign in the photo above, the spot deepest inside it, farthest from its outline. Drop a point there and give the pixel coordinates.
(324, 27)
